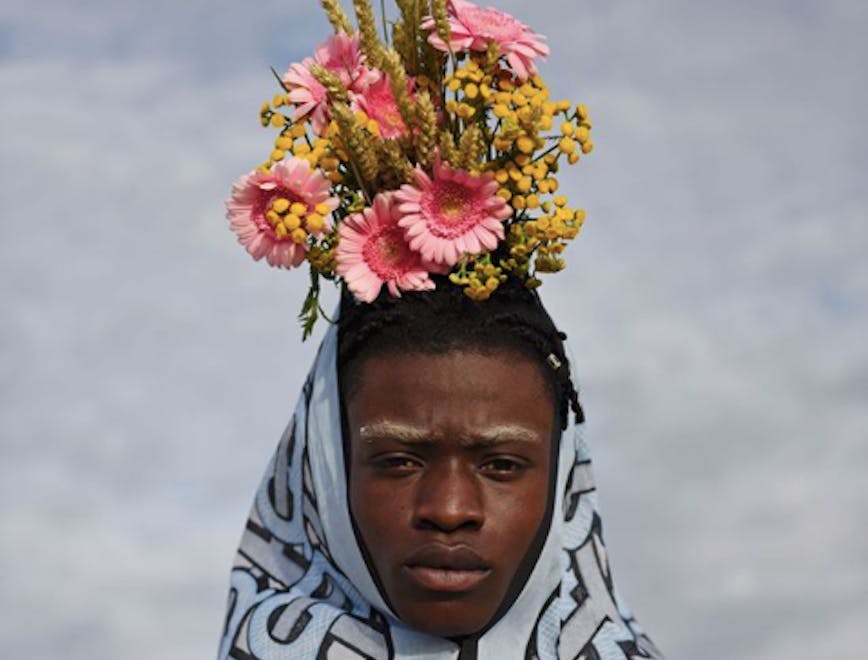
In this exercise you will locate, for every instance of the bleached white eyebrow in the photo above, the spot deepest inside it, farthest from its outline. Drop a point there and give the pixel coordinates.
(408, 434)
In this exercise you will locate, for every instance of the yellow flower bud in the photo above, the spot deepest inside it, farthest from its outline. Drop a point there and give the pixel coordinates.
(563, 106)
(518, 202)
(322, 208)
(298, 209)
(491, 283)
(283, 142)
(525, 144)
(471, 91)
(567, 129)
(524, 184)
(501, 176)
(281, 204)
(554, 184)
(272, 217)
(278, 100)
(532, 201)
(545, 123)
(519, 99)
(573, 158)
(292, 222)
(298, 236)
(298, 131)
(278, 120)
(277, 154)
(454, 85)
(583, 134)
(485, 91)
(567, 145)
(501, 111)
(314, 223)
(587, 147)
(465, 111)
(582, 111)
(504, 194)
(280, 230)
(525, 115)
(560, 201)
(519, 251)
(301, 149)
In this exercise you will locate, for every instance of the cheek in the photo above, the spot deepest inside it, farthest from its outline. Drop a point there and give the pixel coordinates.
(379, 512)
(520, 514)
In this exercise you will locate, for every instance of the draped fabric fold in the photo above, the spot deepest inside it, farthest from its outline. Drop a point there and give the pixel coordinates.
(300, 587)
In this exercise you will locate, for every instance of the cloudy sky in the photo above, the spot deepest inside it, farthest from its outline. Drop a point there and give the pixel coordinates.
(713, 304)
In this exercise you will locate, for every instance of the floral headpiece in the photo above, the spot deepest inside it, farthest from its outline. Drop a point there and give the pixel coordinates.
(433, 153)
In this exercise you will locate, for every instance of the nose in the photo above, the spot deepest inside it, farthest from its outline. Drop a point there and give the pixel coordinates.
(448, 498)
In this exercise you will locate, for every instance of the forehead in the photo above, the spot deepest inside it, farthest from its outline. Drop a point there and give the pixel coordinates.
(454, 392)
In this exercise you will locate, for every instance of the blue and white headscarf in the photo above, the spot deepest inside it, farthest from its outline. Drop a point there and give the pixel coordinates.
(301, 589)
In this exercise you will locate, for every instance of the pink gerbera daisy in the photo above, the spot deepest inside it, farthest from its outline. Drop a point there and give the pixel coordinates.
(473, 28)
(378, 102)
(265, 206)
(372, 251)
(451, 214)
(340, 54)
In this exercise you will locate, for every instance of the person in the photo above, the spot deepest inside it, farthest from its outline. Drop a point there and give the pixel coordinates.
(432, 497)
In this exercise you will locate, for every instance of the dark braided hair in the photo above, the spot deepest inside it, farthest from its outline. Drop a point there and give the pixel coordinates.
(445, 319)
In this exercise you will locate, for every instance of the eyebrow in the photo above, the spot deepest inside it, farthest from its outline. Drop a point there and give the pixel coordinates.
(413, 435)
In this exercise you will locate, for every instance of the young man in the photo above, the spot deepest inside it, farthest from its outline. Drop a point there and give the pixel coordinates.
(431, 498)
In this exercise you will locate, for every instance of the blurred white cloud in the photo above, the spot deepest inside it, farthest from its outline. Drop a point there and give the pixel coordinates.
(716, 307)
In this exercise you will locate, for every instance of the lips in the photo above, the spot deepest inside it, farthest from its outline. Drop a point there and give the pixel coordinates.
(438, 567)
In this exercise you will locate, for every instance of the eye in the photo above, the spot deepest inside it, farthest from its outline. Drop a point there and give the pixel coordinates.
(396, 463)
(503, 466)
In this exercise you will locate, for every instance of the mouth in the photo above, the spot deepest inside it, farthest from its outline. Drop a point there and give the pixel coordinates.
(443, 568)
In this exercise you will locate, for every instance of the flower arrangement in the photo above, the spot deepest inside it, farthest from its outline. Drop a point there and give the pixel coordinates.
(432, 151)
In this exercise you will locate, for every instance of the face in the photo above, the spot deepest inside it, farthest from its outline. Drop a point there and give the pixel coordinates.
(449, 480)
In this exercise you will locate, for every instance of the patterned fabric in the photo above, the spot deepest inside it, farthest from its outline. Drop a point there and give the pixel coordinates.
(300, 587)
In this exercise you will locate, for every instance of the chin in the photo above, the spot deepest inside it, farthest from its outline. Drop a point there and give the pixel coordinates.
(446, 618)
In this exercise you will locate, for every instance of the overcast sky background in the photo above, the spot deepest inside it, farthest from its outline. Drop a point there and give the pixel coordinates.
(714, 305)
